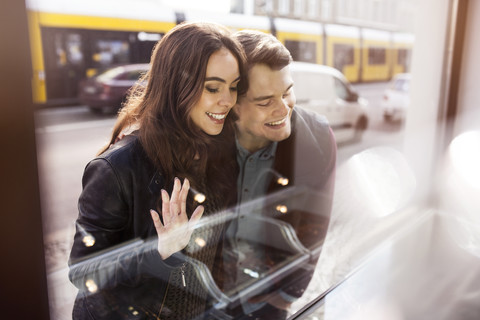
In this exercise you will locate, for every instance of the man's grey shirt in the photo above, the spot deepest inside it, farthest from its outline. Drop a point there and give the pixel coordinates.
(255, 171)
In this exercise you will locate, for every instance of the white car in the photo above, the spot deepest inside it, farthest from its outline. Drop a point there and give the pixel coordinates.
(325, 90)
(396, 98)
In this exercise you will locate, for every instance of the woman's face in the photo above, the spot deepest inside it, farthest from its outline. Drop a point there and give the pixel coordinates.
(219, 93)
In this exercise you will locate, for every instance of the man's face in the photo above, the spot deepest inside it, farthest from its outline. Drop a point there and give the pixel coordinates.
(265, 110)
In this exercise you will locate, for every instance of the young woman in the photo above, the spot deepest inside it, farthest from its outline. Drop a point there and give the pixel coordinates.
(178, 119)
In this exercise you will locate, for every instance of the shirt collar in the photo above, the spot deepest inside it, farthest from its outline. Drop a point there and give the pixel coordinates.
(265, 153)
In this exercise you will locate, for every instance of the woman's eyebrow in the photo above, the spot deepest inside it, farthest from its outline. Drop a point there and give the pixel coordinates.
(220, 79)
(215, 79)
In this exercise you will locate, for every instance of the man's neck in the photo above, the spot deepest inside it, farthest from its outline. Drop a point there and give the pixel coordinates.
(252, 145)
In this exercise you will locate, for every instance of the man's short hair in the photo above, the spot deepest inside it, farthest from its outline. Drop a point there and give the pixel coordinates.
(263, 48)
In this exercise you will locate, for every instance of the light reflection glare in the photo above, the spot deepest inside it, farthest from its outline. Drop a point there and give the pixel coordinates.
(200, 242)
(282, 208)
(282, 181)
(88, 240)
(460, 191)
(466, 234)
(464, 152)
(91, 286)
(382, 179)
(198, 196)
(251, 273)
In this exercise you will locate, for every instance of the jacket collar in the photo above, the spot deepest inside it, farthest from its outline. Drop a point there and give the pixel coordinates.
(156, 183)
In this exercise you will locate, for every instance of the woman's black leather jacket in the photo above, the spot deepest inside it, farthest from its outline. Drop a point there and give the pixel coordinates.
(122, 272)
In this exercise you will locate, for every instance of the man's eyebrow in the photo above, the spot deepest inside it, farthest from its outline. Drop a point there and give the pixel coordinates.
(262, 98)
(270, 96)
(220, 79)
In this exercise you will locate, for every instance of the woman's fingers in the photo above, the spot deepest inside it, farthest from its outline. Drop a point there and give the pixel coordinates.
(166, 214)
(174, 208)
(176, 230)
(174, 199)
(183, 197)
(196, 215)
(156, 221)
(176, 191)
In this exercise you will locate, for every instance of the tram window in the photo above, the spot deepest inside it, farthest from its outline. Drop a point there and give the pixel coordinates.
(403, 57)
(68, 49)
(343, 55)
(61, 55)
(74, 48)
(305, 51)
(376, 55)
(110, 52)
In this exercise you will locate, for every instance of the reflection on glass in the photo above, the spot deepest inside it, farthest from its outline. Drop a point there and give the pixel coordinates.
(464, 153)
(197, 196)
(382, 179)
(91, 286)
(87, 239)
(277, 240)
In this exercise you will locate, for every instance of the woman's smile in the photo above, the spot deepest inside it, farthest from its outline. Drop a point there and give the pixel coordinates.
(218, 118)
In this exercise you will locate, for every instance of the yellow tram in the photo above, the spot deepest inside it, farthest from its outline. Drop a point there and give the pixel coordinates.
(76, 39)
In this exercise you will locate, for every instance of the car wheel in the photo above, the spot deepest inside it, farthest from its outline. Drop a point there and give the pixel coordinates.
(96, 110)
(360, 127)
(103, 110)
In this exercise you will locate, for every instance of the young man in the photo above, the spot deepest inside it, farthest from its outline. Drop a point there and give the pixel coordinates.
(275, 139)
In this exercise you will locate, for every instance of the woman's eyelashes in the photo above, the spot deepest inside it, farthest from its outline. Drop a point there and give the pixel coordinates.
(212, 90)
(216, 90)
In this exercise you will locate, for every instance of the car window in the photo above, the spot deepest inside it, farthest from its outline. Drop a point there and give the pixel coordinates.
(312, 86)
(401, 84)
(341, 89)
(110, 74)
(134, 74)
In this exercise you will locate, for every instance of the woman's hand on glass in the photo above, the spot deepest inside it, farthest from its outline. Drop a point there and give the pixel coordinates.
(175, 231)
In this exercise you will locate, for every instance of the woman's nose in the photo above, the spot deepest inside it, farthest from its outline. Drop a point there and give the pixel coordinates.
(228, 98)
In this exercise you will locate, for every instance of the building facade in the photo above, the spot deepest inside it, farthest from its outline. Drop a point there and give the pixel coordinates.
(392, 15)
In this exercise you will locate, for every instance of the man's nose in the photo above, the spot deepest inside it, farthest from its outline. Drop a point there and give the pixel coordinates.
(283, 107)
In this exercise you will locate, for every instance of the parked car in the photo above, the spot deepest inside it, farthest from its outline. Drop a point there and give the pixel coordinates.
(396, 98)
(326, 90)
(107, 90)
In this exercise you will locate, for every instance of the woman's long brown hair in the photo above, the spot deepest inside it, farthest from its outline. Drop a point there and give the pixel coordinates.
(175, 81)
